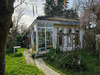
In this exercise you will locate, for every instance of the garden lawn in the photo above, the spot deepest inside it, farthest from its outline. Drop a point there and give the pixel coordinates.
(93, 66)
(16, 65)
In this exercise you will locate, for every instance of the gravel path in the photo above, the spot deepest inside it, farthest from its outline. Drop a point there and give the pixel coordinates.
(28, 58)
(39, 63)
(47, 70)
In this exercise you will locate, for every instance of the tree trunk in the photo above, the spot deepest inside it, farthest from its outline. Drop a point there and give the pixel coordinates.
(6, 11)
(4, 29)
(3, 39)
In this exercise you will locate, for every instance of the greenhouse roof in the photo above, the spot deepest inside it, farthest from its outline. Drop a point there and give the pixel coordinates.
(62, 20)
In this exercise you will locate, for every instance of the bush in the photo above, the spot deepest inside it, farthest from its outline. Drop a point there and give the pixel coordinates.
(10, 50)
(58, 50)
(53, 54)
(90, 42)
(69, 60)
(72, 60)
(18, 55)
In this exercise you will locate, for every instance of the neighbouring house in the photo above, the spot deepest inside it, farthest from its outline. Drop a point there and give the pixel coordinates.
(50, 31)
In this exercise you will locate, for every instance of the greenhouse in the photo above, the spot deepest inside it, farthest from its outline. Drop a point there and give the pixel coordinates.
(41, 37)
(46, 32)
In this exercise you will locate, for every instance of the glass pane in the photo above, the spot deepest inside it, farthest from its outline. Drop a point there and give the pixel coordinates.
(41, 38)
(41, 25)
(35, 38)
(49, 38)
(49, 29)
(48, 25)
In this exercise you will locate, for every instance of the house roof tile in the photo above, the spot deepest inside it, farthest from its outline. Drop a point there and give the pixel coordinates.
(61, 19)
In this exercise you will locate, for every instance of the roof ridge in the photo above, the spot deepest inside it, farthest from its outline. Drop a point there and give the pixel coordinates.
(56, 18)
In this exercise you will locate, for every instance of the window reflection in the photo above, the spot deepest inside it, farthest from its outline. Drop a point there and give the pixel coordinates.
(48, 37)
(44, 36)
(48, 25)
(41, 38)
(41, 25)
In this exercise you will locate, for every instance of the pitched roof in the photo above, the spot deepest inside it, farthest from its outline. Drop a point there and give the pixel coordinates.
(62, 20)
(55, 18)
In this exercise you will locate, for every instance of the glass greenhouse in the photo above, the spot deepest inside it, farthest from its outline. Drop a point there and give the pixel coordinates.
(42, 35)
(46, 32)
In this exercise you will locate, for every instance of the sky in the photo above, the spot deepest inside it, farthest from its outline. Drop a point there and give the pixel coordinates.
(28, 16)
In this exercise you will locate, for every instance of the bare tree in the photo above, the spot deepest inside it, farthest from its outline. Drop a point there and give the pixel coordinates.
(23, 28)
(16, 21)
(5, 24)
(91, 13)
(14, 31)
(6, 11)
(97, 13)
(88, 10)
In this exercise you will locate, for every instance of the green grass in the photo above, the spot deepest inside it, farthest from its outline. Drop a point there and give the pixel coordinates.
(16, 65)
(92, 63)
(55, 67)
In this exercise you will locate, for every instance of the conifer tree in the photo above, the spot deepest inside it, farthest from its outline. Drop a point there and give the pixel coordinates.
(53, 8)
(59, 8)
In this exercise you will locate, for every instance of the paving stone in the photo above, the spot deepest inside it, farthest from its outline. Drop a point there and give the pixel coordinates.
(47, 70)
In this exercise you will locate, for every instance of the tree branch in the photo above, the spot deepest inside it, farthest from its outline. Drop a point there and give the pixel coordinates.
(22, 1)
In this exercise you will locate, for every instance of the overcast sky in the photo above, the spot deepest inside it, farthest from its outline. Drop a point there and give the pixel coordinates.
(28, 17)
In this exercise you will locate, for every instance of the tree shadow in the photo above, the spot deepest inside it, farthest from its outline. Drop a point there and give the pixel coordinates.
(18, 55)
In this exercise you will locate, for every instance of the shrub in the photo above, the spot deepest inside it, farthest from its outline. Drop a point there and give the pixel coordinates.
(53, 54)
(90, 42)
(58, 50)
(18, 55)
(10, 50)
(69, 60)
(72, 60)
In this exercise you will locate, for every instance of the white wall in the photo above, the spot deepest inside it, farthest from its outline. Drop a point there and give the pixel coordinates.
(81, 37)
(65, 28)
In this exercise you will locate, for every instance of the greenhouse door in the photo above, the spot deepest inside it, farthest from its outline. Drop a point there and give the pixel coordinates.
(41, 39)
(44, 36)
(48, 38)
